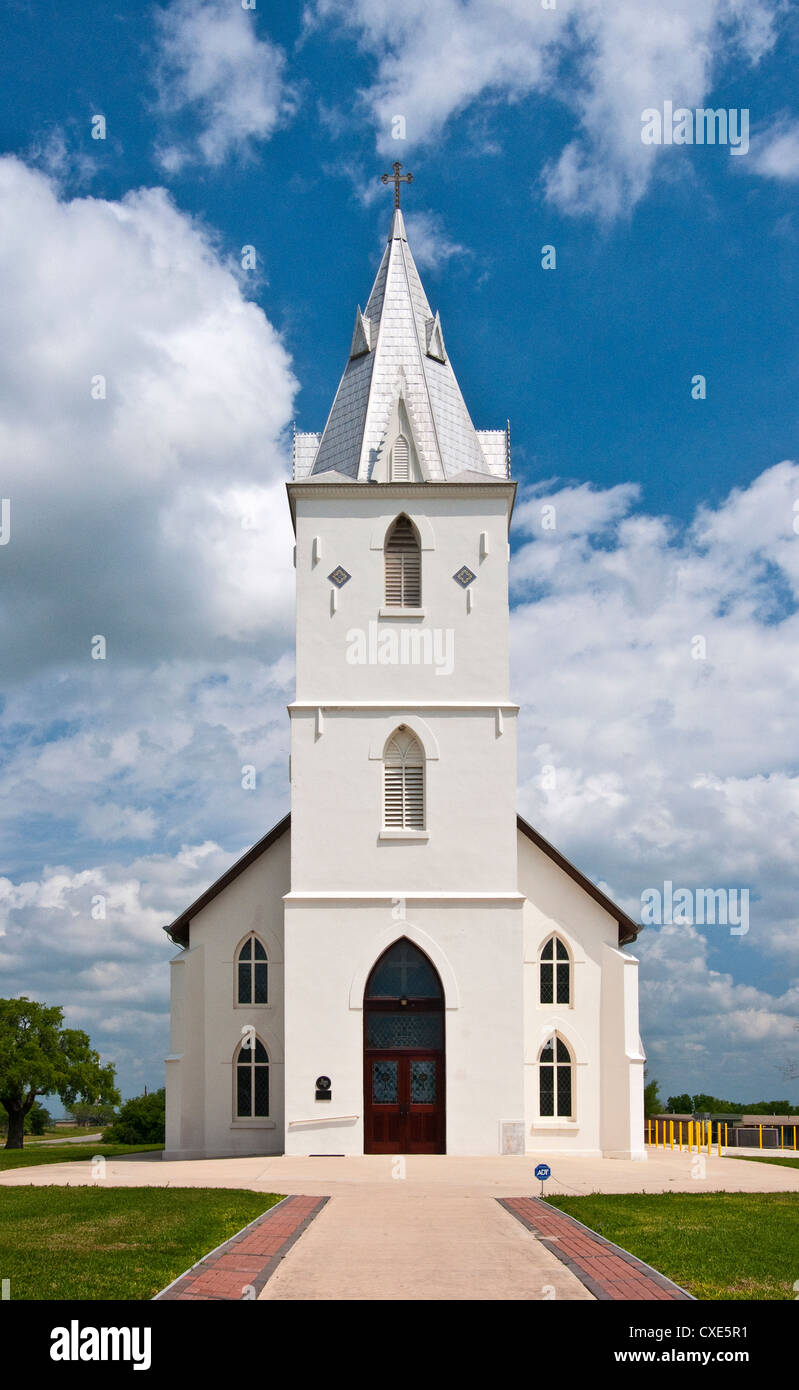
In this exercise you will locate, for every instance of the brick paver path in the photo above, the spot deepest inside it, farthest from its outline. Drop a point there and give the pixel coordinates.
(604, 1268)
(240, 1268)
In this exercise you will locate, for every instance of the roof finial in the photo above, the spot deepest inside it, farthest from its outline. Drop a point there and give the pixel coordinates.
(397, 178)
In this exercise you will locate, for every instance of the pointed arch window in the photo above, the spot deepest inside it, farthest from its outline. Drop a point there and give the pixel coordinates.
(403, 560)
(555, 973)
(556, 1080)
(252, 983)
(403, 782)
(400, 460)
(252, 1080)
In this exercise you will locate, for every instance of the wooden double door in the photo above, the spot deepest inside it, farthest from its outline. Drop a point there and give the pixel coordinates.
(404, 1093)
(403, 1054)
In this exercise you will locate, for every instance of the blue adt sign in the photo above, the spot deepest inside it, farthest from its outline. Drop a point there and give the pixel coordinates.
(543, 1171)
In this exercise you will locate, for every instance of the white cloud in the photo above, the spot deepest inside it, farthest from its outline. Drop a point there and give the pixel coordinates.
(605, 62)
(432, 247)
(680, 768)
(171, 486)
(705, 1032)
(774, 153)
(213, 70)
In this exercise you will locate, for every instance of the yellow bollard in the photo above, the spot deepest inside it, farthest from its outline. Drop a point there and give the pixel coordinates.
(680, 1123)
(649, 1131)
(709, 1135)
(726, 1132)
(782, 1137)
(671, 1133)
(761, 1136)
(794, 1137)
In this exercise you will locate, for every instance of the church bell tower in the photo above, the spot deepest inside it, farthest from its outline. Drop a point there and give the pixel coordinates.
(403, 924)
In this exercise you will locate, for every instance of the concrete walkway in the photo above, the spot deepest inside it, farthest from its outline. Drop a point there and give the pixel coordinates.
(462, 1177)
(407, 1245)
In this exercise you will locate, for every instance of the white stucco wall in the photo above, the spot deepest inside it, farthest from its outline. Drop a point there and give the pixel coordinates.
(207, 1021)
(597, 1025)
(330, 949)
(347, 526)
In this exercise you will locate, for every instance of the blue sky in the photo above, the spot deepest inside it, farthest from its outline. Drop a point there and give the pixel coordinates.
(156, 516)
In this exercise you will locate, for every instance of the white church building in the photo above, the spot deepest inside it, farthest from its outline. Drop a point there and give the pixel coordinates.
(403, 964)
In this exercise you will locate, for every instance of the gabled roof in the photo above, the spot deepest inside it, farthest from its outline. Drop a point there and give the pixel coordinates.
(628, 927)
(178, 931)
(398, 350)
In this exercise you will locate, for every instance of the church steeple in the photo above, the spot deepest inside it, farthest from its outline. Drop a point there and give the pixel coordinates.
(399, 378)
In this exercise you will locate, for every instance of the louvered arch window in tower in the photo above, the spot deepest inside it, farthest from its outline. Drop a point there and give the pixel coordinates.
(403, 566)
(403, 781)
(400, 460)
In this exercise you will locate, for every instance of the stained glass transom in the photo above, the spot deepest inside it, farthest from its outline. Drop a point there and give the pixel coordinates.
(403, 972)
(404, 1030)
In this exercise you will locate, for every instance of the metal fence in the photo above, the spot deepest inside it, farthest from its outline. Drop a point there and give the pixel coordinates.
(707, 1135)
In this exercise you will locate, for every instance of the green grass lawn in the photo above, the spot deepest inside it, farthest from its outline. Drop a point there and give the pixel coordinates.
(67, 1153)
(725, 1245)
(781, 1162)
(113, 1242)
(67, 1132)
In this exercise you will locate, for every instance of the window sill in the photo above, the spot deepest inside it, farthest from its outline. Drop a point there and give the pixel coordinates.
(404, 835)
(254, 1124)
(267, 1005)
(555, 1124)
(401, 613)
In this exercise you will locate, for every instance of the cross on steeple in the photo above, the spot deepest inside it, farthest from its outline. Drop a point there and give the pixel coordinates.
(397, 178)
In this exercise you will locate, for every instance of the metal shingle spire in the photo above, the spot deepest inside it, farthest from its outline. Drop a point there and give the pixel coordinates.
(398, 354)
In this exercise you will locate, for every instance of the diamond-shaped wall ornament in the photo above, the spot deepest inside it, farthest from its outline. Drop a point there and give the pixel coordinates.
(464, 576)
(339, 576)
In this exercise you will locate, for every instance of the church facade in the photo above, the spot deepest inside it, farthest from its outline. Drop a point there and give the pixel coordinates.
(402, 964)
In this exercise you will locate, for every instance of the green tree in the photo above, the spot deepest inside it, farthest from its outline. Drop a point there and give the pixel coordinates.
(38, 1056)
(38, 1119)
(95, 1113)
(652, 1102)
(681, 1105)
(141, 1120)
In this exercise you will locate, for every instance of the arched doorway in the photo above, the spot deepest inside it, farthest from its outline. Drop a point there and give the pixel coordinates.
(403, 1054)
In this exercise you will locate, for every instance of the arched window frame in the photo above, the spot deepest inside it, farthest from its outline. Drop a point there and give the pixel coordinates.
(547, 966)
(404, 784)
(257, 966)
(252, 1054)
(402, 565)
(551, 1058)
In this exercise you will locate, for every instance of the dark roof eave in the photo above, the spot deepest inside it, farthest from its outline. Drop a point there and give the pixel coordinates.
(628, 929)
(178, 931)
